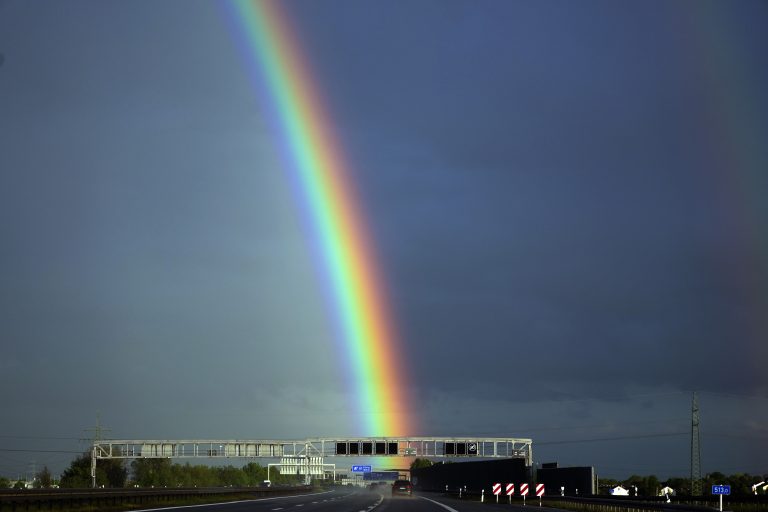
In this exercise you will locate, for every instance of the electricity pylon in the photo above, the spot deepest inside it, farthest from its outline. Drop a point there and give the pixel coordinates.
(695, 449)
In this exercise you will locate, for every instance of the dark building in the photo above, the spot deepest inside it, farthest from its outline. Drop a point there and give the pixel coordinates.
(575, 481)
(474, 475)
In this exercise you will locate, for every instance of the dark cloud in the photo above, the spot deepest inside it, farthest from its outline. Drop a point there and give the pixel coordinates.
(566, 201)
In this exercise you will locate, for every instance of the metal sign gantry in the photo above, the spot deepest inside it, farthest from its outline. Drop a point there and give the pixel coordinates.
(484, 447)
(429, 446)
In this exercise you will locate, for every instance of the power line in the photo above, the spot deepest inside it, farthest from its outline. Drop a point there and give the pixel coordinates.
(36, 451)
(41, 438)
(736, 436)
(678, 469)
(618, 400)
(608, 424)
(741, 469)
(618, 438)
(735, 395)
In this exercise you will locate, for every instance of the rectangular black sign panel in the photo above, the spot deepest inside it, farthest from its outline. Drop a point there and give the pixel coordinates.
(381, 475)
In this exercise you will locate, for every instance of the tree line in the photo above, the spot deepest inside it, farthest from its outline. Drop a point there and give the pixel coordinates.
(116, 473)
(741, 484)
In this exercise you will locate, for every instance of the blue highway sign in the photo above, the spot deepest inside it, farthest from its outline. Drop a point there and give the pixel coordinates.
(382, 475)
(361, 469)
(721, 489)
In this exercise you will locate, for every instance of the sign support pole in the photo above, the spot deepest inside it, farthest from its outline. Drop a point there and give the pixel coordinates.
(721, 490)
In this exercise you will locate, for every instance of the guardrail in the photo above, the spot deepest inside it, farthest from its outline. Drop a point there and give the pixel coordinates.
(69, 499)
(621, 504)
(614, 505)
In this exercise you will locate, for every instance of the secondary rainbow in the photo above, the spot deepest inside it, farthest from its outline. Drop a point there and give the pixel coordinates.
(726, 66)
(314, 155)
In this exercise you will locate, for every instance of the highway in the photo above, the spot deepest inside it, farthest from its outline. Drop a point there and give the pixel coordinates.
(354, 500)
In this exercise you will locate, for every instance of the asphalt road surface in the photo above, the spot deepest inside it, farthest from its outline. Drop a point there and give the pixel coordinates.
(357, 500)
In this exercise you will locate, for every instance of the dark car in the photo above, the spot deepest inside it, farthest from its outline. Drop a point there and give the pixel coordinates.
(402, 488)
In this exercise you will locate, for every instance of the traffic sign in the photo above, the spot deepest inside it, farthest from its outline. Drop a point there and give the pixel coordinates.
(539, 490)
(510, 489)
(524, 489)
(381, 475)
(472, 448)
(497, 491)
(361, 469)
(722, 490)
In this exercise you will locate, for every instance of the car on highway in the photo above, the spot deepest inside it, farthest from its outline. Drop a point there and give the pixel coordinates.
(402, 488)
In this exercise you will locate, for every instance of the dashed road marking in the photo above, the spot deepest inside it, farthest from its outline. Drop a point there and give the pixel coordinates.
(232, 502)
(381, 498)
(441, 504)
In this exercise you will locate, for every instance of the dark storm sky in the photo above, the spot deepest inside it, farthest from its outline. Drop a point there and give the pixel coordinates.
(568, 200)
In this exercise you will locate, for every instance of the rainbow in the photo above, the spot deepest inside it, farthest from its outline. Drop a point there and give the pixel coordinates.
(316, 160)
(720, 55)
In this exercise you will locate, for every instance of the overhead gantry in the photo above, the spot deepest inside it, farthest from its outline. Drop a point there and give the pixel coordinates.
(314, 448)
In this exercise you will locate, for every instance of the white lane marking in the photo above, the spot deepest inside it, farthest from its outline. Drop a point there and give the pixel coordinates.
(233, 502)
(381, 498)
(278, 508)
(438, 503)
(299, 504)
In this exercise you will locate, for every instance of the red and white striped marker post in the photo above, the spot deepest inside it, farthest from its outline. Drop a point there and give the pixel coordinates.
(523, 491)
(497, 491)
(539, 491)
(510, 491)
